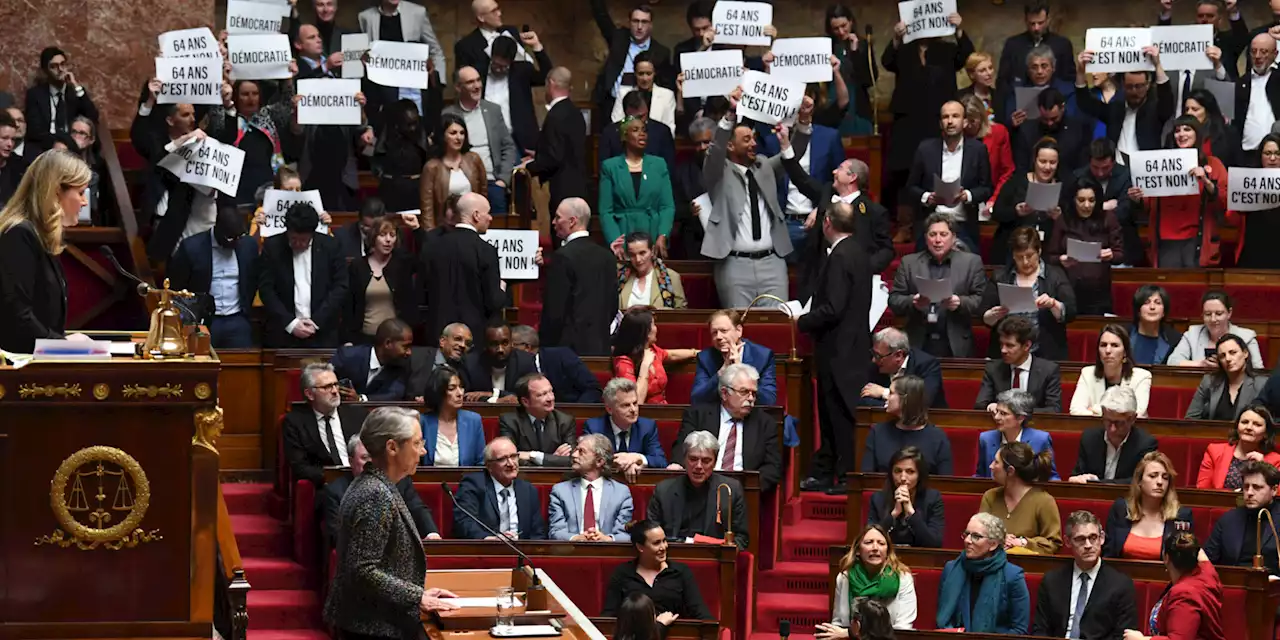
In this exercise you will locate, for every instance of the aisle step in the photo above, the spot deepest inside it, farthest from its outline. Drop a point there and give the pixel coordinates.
(795, 577)
(804, 611)
(820, 506)
(810, 540)
(261, 536)
(246, 499)
(267, 574)
(284, 609)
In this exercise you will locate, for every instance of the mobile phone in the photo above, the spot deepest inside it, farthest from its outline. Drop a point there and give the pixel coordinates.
(524, 28)
(346, 383)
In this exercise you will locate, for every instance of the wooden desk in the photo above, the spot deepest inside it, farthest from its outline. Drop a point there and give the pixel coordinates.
(473, 623)
(972, 419)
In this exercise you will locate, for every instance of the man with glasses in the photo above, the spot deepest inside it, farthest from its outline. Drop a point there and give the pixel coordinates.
(1135, 123)
(315, 434)
(222, 264)
(748, 436)
(55, 101)
(1257, 97)
(892, 356)
(508, 504)
(625, 43)
(1111, 453)
(1089, 599)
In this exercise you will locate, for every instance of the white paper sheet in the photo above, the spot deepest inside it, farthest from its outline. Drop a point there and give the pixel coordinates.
(704, 208)
(1024, 98)
(1043, 197)
(1082, 251)
(1017, 299)
(879, 301)
(945, 192)
(934, 290)
(478, 602)
(794, 309)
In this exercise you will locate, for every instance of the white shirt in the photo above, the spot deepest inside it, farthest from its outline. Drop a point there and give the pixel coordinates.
(446, 452)
(1113, 458)
(797, 204)
(640, 297)
(597, 486)
(1023, 371)
(463, 225)
(744, 240)
(555, 102)
(498, 91)
(507, 520)
(575, 235)
(1075, 590)
(225, 286)
(499, 378)
(952, 168)
(478, 135)
(374, 365)
(335, 428)
(727, 423)
(1259, 118)
(1017, 438)
(301, 287)
(204, 212)
(458, 182)
(835, 197)
(1128, 142)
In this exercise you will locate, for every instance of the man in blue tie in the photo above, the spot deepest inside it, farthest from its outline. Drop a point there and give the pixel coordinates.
(635, 439)
(1088, 599)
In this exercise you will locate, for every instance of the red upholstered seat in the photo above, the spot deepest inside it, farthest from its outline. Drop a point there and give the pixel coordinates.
(441, 508)
(927, 582)
(293, 385)
(964, 450)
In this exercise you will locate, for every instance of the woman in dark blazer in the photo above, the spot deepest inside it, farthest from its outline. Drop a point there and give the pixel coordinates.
(906, 507)
(452, 437)
(1011, 210)
(377, 589)
(1148, 514)
(33, 292)
(1225, 393)
(381, 285)
(1055, 298)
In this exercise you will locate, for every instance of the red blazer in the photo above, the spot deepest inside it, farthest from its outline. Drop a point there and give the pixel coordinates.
(1216, 461)
(1192, 608)
(623, 367)
(1000, 152)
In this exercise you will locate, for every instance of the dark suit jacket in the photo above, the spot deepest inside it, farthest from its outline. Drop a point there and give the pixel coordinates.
(1092, 457)
(559, 428)
(191, 268)
(1109, 610)
(1117, 189)
(1073, 136)
(1118, 527)
(1051, 343)
(975, 176)
(1226, 541)
(480, 376)
(39, 115)
(1243, 93)
(350, 241)
(32, 290)
(470, 50)
(461, 277)
(837, 319)
(333, 492)
(1233, 42)
(761, 450)
(475, 494)
(641, 438)
(667, 505)
(660, 144)
(328, 291)
(923, 529)
(580, 298)
(561, 153)
(570, 378)
(521, 80)
(1152, 115)
(1013, 57)
(919, 364)
(619, 41)
(353, 363)
(1044, 383)
(399, 275)
(306, 453)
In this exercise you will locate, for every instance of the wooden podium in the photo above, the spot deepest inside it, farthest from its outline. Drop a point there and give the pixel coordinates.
(473, 623)
(108, 498)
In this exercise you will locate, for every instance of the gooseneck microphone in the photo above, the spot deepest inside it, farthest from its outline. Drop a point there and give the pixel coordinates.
(144, 287)
(536, 594)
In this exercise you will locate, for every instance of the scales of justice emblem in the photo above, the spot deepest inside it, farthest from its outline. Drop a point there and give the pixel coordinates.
(106, 500)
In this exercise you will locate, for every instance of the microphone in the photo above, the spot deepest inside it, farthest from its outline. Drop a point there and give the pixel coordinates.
(535, 593)
(784, 629)
(143, 287)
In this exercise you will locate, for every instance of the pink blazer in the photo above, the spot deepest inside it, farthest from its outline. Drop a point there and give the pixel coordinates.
(1216, 461)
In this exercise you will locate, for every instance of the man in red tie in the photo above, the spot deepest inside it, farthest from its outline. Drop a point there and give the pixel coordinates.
(591, 507)
(748, 435)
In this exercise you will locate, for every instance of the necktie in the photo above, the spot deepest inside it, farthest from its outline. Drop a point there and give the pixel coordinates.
(730, 447)
(334, 456)
(59, 113)
(754, 193)
(1186, 90)
(538, 432)
(622, 441)
(1017, 378)
(589, 511)
(1080, 602)
(506, 511)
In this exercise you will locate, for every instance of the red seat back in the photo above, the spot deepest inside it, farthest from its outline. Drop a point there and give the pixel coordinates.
(964, 450)
(441, 509)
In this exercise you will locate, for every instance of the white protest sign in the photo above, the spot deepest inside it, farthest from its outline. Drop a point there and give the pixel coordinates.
(802, 59)
(276, 203)
(85, 216)
(516, 250)
(189, 80)
(399, 64)
(259, 56)
(711, 73)
(1118, 50)
(741, 22)
(1253, 189)
(244, 16)
(189, 43)
(354, 46)
(328, 101)
(207, 163)
(927, 18)
(1166, 172)
(1183, 47)
(769, 99)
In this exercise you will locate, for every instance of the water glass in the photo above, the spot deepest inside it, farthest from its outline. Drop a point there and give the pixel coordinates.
(506, 609)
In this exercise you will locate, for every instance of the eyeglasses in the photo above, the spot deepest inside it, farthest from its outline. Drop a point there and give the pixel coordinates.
(974, 536)
(1089, 540)
(877, 357)
(746, 393)
(326, 387)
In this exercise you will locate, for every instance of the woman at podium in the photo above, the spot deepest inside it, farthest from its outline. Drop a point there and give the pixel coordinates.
(33, 292)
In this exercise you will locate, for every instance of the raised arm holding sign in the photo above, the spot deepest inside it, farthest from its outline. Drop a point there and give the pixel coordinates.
(1118, 50)
(742, 22)
(927, 19)
(768, 98)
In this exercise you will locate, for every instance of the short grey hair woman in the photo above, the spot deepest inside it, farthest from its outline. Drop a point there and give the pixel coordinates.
(1002, 603)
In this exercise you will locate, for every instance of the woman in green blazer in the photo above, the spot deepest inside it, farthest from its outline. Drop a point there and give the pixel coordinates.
(635, 190)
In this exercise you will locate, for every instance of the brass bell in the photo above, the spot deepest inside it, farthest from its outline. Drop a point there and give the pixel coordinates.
(167, 337)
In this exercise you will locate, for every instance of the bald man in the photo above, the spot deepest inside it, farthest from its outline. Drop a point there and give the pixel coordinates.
(476, 48)
(1257, 97)
(487, 133)
(955, 158)
(560, 157)
(580, 298)
(461, 273)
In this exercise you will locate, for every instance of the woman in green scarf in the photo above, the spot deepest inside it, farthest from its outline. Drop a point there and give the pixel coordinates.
(871, 570)
(1001, 603)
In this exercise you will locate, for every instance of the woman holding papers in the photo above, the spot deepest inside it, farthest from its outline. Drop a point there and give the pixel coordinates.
(1055, 300)
(1186, 227)
(1251, 251)
(454, 169)
(1088, 265)
(1028, 200)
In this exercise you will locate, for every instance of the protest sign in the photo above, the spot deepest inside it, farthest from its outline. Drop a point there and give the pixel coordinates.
(244, 16)
(399, 64)
(1118, 50)
(516, 250)
(259, 56)
(189, 43)
(207, 163)
(927, 18)
(189, 80)
(1166, 172)
(741, 22)
(1253, 189)
(1184, 47)
(276, 203)
(711, 73)
(802, 59)
(328, 101)
(769, 99)
(354, 46)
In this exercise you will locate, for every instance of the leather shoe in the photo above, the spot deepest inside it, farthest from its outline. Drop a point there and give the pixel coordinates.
(814, 484)
(838, 489)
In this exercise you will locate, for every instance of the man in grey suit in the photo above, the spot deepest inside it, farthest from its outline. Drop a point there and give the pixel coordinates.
(414, 25)
(745, 231)
(590, 507)
(543, 436)
(486, 132)
(941, 328)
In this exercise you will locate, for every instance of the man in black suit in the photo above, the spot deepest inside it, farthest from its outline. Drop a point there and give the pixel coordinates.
(302, 283)
(1039, 377)
(335, 489)
(497, 366)
(221, 268)
(544, 435)
(936, 157)
(508, 504)
(12, 165)
(461, 272)
(580, 296)
(326, 22)
(473, 49)
(686, 185)
(624, 44)
(452, 347)
(1090, 600)
(510, 84)
(54, 102)
(327, 154)
(1110, 453)
(697, 492)
(747, 436)
(660, 143)
(314, 434)
(698, 17)
(1234, 541)
(572, 381)
(837, 321)
(1013, 56)
(1115, 181)
(1151, 110)
(378, 371)
(1252, 127)
(559, 156)
(1231, 41)
(892, 356)
(1070, 132)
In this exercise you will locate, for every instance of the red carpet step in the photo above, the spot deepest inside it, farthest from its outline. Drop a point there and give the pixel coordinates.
(810, 540)
(820, 506)
(804, 611)
(799, 578)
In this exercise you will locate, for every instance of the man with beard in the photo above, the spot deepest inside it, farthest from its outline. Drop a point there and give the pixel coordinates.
(314, 433)
(1234, 539)
(54, 101)
(498, 368)
(748, 436)
(1089, 599)
(728, 347)
(379, 371)
(951, 157)
(545, 436)
(591, 507)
